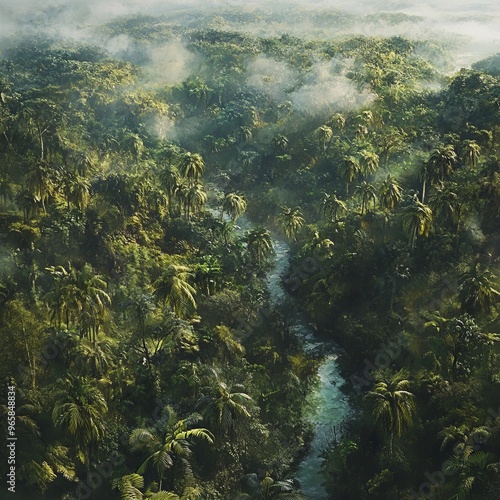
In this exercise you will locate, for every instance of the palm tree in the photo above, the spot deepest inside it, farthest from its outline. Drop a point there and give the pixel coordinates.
(452, 434)
(331, 206)
(227, 345)
(98, 356)
(76, 190)
(476, 291)
(291, 220)
(128, 486)
(349, 170)
(281, 142)
(234, 205)
(193, 166)
(462, 438)
(323, 134)
(260, 244)
(441, 163)
(473, 473)
(142, 305)
(135, 145)
(366, 117)
(361, 131)
(338, 121)
(194, 199)
(245, 134)
(168, 440)
(78, 296)
(390, 193)
(446, 205)
(84, 162)
(438, 167)
(61, 298)
(40, 182)
(223, 408)
(393, 404)
(369, 162)
(471, 151)
(173, 285)
(93, 301)
(367, 193)
(170, 180)
(417, 220)
(490, 191)
(80, 408)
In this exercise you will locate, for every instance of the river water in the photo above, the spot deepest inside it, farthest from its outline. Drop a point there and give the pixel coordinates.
(327, 405)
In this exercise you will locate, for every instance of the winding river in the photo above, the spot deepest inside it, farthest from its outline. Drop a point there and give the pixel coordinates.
(327, 404)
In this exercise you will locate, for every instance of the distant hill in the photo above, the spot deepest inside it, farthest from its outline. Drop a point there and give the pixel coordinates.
(490, 65)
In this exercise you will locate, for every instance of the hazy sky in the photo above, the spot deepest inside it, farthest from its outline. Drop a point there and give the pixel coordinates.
(477, 22)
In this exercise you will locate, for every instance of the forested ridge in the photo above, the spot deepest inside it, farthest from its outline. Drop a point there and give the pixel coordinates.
(136, 322)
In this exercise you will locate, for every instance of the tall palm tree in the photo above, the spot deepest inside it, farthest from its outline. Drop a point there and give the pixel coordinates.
(393, 404)
(61, 298)
(292, 220)
(477, 290)
(223, 408)
(226, 343)
(93, 301)
(78, 297)
(95, 357)
(194, 199)
(76, 190)
(368, 193)
(141, 305)
(331, 206)
(84, 162)
(174, 287)
(168, 440)
(234, 205)
(349, 170)
(135, 145)
(369, 162)
(170, 179)
(260, 244)
(390, 193)
(441, 163)
(323, 134)
(446, 205)
(489, 191)
(193, 166)
(417, 220)
(471, 152)
(79, 407)
(40, 182)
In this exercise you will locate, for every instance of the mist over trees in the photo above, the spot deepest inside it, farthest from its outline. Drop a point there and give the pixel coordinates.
(154, 162)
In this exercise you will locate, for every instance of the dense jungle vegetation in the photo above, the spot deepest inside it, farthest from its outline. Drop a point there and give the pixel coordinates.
(135, 320)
